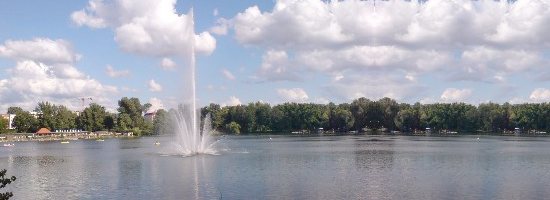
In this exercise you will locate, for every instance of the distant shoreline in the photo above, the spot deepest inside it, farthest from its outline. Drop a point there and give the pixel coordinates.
(33, 137)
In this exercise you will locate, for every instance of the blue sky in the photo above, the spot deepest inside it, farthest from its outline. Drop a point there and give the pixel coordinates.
(274, 51)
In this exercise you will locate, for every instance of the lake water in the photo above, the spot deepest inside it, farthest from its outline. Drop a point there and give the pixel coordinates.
(284, 167)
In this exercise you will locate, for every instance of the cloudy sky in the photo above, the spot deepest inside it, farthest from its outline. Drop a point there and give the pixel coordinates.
(273, 51)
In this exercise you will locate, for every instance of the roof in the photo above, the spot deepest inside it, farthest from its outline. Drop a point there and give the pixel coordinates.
(43, 131)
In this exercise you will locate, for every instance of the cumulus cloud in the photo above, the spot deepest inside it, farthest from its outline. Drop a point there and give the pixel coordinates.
(540, 95)
(479, 41)
(233, 101)
(111, 72)
(276, 66)
(205, 43)
(167, 64)
(44, 71)
(156, 104)
(455, 95)
(293, 95)
(42, 50)
(221, 27)
(154, 86)
(228, 75)
(152, 28)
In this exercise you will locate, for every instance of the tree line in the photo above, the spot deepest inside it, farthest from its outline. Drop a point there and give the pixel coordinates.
(360, 115)
(384, 114)
(94, 117)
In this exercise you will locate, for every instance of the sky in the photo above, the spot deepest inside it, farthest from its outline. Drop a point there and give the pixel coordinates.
(273, 51)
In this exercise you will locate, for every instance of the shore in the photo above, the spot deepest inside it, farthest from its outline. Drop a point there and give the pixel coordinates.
(30, 137)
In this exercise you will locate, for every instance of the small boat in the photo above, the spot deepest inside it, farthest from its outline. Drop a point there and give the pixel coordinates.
(9, 145)
(100, 140)
(64, 142)
(157, 143)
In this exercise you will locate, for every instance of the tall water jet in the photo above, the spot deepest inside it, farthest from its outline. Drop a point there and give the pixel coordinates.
(189, 139)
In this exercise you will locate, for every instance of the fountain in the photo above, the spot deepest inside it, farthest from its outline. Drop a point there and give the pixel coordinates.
(190, 140)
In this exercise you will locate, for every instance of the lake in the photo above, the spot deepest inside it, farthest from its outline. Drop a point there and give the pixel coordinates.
(285, 167)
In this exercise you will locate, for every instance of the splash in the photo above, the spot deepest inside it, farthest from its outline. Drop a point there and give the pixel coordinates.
(189, 139)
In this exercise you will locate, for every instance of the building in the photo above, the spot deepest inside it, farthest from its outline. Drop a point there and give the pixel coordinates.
(150, 116)
(10, 118)
(36, 115)
(43, 131)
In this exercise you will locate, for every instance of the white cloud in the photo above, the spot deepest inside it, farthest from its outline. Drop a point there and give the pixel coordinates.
(215, 12)
(479, 41)
(167, 64)
(228, 75)
(156, 104)
(455, 95)
(233, 101)
(42, 50)
(205, 43)
(293, 95)
(154, 86)
(276, 66)
(374, 85)
(540, 95)
(111, 72)
(314, 23)
(152, 28)
(321, 100)
(44, 71)
(221, 27)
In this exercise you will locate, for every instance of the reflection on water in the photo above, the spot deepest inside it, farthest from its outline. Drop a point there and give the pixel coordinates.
(330, 167)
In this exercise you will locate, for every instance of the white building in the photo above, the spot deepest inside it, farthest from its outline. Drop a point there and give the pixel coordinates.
(10, 118)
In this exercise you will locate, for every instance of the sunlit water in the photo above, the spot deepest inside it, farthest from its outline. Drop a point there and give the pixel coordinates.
(250, 167)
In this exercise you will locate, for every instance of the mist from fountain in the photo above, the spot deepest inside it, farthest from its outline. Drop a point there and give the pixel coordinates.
(190, 140)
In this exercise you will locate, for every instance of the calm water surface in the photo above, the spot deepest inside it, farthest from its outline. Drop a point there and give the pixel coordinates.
(284, 167)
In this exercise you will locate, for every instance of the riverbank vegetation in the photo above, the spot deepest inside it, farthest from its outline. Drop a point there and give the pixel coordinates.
(4, 181)
(129, 118)
(360, 115)
(386, 114)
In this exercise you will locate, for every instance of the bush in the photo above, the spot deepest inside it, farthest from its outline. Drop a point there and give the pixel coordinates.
(3, 182)
(234, 128)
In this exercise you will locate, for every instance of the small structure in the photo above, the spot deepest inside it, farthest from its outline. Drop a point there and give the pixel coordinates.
(150, 116)
(43, 131)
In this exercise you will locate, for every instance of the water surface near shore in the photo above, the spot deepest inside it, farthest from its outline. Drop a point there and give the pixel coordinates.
(285, 167)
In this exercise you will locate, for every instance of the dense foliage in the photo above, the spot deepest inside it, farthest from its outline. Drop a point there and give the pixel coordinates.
(4, 181)
(92, 118)
(360, 115)
(383, 115)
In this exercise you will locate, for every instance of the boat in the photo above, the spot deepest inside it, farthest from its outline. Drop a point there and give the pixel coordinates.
(157, 143)
(9, 145)
(64, 142)
(100, 140)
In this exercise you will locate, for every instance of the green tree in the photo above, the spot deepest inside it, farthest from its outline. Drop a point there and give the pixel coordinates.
(124, 122)
(4, 181)
(92, 118)
(24, 122)
(406, 119)
(162, 123)
(263, 117)
(389, 108)
(233, 127)
(109, 122)
(4, 124)
(342, 119)
(46, 118)
(64, 118)
(133, 108)
(14, 110)
(359, 109)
